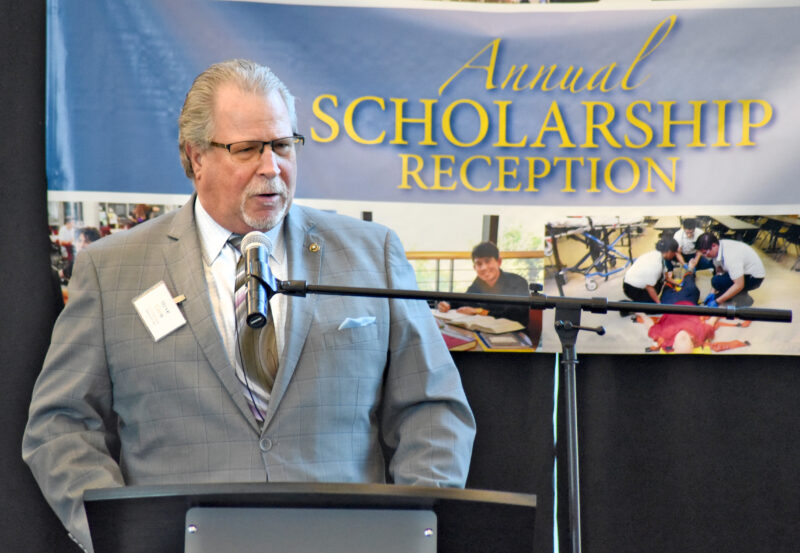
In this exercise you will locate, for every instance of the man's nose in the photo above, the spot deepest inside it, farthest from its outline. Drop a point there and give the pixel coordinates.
(268, 163)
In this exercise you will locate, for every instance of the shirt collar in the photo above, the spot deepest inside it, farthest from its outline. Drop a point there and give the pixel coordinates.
(275, 235)
(214, 237)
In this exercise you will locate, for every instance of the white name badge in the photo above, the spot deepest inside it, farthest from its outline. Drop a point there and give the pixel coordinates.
(158, 311)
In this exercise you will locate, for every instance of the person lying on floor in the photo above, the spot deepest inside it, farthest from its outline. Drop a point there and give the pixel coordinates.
(677, 333)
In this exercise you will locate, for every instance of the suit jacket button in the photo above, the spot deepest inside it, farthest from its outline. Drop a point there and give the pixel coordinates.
(265, 444)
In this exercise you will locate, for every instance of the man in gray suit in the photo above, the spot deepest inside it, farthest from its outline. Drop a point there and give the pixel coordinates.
(119, 404)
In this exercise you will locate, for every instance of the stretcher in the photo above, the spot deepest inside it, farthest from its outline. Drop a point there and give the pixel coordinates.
(604, 238)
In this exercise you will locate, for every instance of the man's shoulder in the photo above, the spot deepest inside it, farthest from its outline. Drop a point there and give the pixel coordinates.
(143, 233)
(647, 259)
(512, 283)
(513, 278)
(735, 244)
(477, 287)
(335, 224)
(730, 250)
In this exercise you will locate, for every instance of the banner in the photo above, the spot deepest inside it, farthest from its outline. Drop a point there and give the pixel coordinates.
(590, 121)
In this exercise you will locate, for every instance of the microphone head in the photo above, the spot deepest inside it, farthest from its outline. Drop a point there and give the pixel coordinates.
(254, 239)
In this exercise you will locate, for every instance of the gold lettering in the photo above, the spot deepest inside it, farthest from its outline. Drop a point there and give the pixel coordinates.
(316, 107)
(413, 173)
(447, 127)
(400, 120)
(694, 122)
(722, 140)
(533, 175)
(593, 161)
(567, 170)
(555, 113)
(349, 127)
(438, 172)
(652, 166)
(609, 177)
(494, 45)
(502, 127)
(646, 51)
(547, 79)
(748, 124)
(602, 126)
(511, 73)
(603, 84)
(571, 86)
(465, 179)
(502, 172)
(639, 124)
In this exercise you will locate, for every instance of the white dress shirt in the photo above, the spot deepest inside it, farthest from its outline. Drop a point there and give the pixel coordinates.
(646, 271)
(685, 244)
(738, 259)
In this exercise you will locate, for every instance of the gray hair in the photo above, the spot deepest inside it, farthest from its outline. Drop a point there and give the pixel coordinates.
(196, 121)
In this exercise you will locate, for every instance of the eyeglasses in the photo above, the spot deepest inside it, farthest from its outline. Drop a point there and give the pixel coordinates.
(250, 150)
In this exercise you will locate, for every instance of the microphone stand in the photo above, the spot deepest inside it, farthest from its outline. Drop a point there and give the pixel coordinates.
(567, 324)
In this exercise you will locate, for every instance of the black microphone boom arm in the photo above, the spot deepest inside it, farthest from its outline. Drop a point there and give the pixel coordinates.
(300, 288)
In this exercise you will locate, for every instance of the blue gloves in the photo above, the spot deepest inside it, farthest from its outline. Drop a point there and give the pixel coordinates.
(711, 300)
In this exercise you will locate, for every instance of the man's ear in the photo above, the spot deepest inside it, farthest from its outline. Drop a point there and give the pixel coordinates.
(499, 260)
(195, 156)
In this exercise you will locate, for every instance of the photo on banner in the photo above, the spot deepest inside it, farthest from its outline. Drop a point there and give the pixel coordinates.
(598, 255)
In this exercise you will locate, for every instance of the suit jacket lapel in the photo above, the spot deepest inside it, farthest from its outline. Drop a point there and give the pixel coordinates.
(184, 260)
(304, 251)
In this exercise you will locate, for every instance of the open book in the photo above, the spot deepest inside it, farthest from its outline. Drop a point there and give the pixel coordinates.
(481, 323)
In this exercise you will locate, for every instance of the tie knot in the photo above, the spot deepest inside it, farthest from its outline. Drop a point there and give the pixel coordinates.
(235, 240)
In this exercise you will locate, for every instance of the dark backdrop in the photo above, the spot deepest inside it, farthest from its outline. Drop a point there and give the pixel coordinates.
(678, 454)
(27, 296)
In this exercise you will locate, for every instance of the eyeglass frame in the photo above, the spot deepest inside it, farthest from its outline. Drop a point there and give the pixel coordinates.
(297, 138)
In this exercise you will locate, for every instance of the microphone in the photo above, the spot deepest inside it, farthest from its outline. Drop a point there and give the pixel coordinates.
(261, 284)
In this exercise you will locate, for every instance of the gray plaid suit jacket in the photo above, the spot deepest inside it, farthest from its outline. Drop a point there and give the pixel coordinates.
(112, 407)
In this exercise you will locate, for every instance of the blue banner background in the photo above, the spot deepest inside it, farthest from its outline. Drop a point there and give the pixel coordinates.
(118, 72)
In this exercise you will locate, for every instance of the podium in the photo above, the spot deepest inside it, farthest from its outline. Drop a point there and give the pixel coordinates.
(178, 518)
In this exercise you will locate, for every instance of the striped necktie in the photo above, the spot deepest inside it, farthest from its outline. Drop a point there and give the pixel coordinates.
(257, 349)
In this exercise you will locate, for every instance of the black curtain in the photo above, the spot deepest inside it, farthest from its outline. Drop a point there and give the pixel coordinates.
(690, 453)
(27, 291)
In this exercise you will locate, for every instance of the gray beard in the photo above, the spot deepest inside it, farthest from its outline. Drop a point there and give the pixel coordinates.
(268, 222)
(265, 223)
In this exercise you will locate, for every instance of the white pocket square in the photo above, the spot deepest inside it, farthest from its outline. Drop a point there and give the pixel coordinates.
(356, 322)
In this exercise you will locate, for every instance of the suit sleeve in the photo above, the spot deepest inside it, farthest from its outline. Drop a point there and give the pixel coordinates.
(426, 419)
(70, 432)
